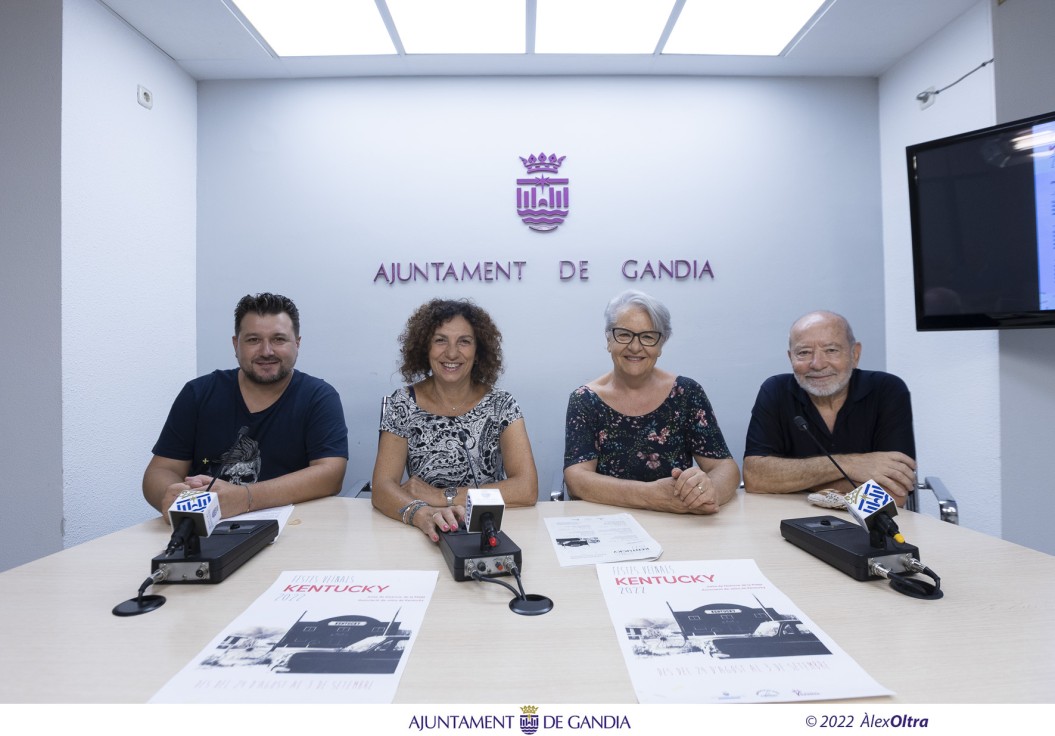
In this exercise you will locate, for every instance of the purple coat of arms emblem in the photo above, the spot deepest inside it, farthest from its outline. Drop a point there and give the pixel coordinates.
(542, 201)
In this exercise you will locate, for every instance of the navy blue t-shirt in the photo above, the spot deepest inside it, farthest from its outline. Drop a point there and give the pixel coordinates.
(877, 417)
(305, 424)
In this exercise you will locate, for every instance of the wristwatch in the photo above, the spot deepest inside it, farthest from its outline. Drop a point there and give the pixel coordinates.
(450, 494)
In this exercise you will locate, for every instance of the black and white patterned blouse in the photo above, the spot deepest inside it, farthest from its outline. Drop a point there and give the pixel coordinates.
(435, 452)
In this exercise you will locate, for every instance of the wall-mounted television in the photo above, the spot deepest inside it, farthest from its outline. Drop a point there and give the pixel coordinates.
(983, 227)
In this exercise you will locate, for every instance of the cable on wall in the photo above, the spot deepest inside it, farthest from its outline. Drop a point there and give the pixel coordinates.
(926, 97)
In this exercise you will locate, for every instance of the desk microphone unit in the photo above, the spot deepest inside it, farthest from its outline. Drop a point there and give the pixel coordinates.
(871, 549)
(200, 549)
(231, 545)
(461, 550)
(482, 552)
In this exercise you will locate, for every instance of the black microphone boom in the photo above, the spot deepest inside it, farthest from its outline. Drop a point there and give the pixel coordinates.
(801, 424)
(464, 437)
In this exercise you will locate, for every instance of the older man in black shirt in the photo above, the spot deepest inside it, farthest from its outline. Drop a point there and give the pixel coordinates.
(863, 418)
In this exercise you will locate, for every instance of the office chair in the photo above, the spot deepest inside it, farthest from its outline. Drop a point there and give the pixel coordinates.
(557, 481)
(361, 488)
(947, 507)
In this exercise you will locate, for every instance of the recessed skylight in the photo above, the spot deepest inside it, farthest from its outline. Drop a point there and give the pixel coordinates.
(319, 27)
(460, 26)
(600, 26)
(739, 27)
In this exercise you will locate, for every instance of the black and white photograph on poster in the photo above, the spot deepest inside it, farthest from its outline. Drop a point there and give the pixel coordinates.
(322, 636)
(345, 644)
(725, 630)
(718, 631)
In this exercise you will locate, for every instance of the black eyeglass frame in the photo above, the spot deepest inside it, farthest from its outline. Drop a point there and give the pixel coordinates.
(641, 336)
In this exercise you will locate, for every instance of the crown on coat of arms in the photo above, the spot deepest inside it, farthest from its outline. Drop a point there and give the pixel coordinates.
(541, 162)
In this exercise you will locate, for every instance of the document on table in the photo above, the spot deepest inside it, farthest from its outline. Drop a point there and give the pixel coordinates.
(588, 540)
(280, 514)
(317, 636)
(719, 632)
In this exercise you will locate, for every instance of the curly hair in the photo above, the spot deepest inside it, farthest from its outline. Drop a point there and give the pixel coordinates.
(416, 339)
(263, 304)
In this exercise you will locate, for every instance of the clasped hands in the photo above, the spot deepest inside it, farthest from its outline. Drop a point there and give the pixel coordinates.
(234, 499)
(692, 491)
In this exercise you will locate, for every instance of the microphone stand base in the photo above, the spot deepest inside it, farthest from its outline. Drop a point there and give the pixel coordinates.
(531, 605)
(138, 605)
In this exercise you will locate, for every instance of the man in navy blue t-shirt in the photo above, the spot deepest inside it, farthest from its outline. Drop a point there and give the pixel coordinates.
(271, 435)
(863, 418)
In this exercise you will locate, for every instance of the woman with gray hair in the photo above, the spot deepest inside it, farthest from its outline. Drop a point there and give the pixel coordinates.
(639, 436)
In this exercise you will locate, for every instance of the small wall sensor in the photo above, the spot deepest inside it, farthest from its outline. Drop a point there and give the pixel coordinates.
(145, 97)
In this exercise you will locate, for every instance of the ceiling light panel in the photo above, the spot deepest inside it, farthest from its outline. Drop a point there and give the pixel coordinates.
(460, 26)
(319, 27)
(600, 26)
(739, 27)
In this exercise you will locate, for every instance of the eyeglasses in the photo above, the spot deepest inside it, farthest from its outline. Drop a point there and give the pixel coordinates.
(648, 338)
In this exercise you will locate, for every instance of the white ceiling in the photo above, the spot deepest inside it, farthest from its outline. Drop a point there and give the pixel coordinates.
(852, 38)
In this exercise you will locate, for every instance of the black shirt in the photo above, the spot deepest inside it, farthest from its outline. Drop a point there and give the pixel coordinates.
(877, 417)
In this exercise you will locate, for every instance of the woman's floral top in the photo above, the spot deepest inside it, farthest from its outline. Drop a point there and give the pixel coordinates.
(647, 447)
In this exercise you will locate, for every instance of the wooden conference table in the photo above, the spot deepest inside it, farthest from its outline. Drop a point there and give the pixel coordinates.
(990, 640)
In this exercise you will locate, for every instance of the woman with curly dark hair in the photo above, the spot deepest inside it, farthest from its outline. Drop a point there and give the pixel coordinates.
(449, 427)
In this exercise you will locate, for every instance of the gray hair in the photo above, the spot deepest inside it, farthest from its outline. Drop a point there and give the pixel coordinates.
(657, 313)
(850, 339)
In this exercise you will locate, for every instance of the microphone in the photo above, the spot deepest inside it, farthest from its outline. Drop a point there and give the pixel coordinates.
(463, 436)
(202, 508)
(871, 506)
(801, 424)
(480, 508)
(874, 509)
(840, 543)
(193, 515)
(497, 554)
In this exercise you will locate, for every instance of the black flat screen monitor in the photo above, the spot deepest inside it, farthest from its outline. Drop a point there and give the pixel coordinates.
(983, 227)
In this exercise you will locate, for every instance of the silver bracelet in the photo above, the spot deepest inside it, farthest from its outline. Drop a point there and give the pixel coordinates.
(417, 507)
(407, 512)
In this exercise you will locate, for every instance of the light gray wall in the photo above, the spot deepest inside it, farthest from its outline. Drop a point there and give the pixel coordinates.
(30, 298)
(306, 187)
(128, 259)
(1025, 86)
(953, 376)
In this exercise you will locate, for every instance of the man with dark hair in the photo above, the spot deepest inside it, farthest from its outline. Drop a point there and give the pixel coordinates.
(863, 418)
(269, 434)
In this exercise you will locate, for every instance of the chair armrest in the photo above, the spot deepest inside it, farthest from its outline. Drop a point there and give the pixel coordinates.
(947, 507)
(557, 482)
(356, 489)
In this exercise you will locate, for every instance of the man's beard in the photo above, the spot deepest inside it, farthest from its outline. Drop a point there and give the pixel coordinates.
(280, 375)
(822, 393)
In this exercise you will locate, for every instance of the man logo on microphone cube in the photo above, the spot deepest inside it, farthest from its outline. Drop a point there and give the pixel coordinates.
(192, 501)
(862, 419)
(259, 435)
(869, 498)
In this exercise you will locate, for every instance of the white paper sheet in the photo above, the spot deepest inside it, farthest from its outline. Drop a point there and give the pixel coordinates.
(588, 540)
(317, 636)
(718, 631)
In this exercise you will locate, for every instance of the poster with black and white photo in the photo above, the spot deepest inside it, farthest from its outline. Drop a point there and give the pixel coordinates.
(317, 636)
(719, 632)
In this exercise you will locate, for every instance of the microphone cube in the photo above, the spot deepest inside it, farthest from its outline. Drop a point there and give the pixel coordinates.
(481, 501)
